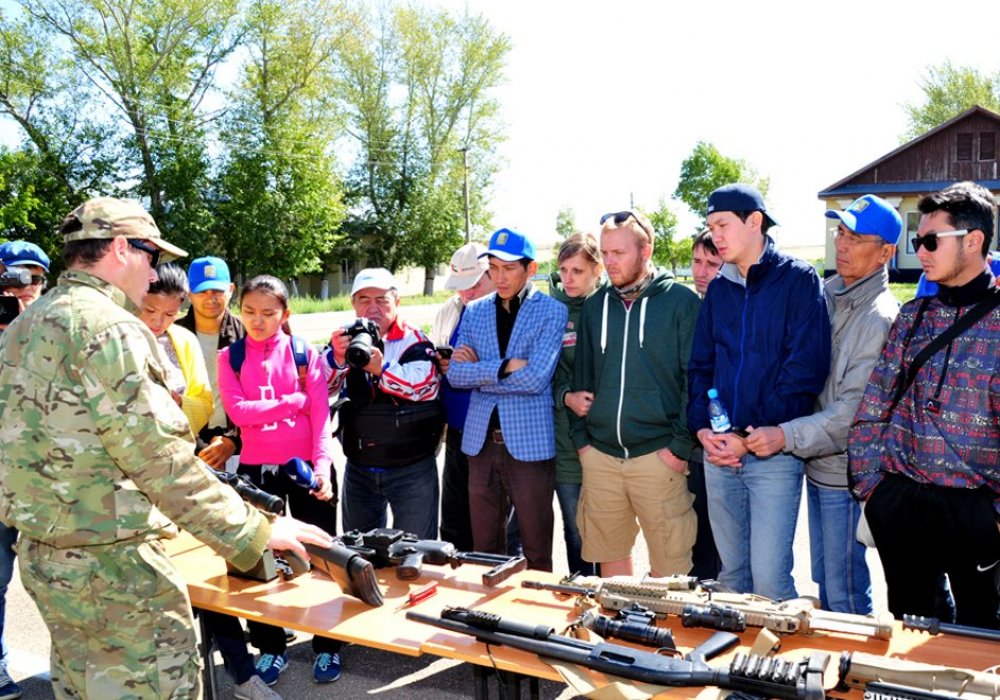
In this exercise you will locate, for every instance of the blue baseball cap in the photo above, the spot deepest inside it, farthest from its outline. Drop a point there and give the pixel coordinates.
(15, 253)
(208, 273)
(738, 196)
(871, 216)
(510, 246)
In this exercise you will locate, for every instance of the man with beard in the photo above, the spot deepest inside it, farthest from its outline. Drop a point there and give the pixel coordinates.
(632, 352)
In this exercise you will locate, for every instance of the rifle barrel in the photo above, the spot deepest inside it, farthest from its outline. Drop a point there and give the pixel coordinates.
(558, 588)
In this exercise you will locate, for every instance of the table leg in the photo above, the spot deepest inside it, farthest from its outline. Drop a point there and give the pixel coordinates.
(508, 683)
(208, 668)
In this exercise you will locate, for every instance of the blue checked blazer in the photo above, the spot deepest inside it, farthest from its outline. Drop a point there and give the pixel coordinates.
(523, 398)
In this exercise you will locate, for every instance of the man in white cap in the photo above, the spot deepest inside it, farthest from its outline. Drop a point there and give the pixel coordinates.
(469, 277)
(392, 421)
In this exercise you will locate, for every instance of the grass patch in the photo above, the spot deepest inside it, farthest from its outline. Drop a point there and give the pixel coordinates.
(904, 291)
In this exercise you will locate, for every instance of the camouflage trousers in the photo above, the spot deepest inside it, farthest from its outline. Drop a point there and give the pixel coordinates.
(120, 620)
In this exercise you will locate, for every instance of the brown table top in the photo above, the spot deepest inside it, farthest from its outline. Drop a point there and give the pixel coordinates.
(314, 604)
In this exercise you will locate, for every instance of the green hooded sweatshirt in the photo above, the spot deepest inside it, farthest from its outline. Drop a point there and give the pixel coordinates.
(634, 359)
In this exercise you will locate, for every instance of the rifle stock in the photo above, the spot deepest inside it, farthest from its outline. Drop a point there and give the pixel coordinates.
(867, 671)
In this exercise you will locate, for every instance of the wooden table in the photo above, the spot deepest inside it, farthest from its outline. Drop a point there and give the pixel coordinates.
(314, 604)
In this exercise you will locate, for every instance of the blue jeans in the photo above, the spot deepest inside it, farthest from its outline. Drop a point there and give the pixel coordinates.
(753, 509)
(569, 499)
(838, 559)
(8, 535)
(411, 492)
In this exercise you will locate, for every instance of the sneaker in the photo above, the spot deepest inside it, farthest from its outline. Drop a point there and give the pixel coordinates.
(10, 690)
(254, 689)
(326, 669)
(270, 666)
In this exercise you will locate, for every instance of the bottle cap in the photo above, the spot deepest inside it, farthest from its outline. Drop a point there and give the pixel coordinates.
(713, 394)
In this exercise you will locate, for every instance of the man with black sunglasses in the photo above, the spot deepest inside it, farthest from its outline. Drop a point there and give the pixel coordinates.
(633, 342)
(924, 446)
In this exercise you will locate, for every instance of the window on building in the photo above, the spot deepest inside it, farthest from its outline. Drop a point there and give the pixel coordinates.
(964, 150)
(987, 146)
(912, 223)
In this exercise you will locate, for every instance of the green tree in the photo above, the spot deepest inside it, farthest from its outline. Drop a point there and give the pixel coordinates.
(565, 223)
(950, 90)
(668, 250)
(280, 201)
(418, 88)
(705, 170)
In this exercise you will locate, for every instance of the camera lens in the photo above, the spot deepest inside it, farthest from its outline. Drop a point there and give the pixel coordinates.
(359, 352)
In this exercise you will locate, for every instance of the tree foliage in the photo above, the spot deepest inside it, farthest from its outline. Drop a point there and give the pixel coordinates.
(565, 223)
(706, 169)
(668, 250)
(948, 91)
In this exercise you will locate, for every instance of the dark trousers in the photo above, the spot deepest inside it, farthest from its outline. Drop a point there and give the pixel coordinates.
(300, 504)
(456, 521)
(704, 556)
(496, 480)
(923, 531)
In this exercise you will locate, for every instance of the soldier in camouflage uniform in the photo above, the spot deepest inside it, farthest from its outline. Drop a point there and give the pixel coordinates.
(98, 465)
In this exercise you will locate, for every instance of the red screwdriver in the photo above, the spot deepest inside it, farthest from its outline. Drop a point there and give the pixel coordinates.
(420, 594)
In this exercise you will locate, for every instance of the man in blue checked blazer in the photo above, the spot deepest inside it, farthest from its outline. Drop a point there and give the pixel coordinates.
(507, 351)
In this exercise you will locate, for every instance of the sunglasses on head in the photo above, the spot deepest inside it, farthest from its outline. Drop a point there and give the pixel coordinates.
(930, 240)
(154, 252)
(620, 217)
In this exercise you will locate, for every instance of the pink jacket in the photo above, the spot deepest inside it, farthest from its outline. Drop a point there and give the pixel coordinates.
(276, 420)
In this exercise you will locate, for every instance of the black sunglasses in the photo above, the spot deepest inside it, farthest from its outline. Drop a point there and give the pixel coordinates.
(930, 240)
(620, 217)
(154, 252)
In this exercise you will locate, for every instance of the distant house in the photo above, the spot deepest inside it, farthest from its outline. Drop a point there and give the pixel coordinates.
(965, 147)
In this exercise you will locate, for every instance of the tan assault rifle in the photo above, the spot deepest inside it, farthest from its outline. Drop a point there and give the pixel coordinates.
(698, 606)
(882, 678)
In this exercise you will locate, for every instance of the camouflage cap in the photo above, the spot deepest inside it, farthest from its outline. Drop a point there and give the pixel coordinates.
(107, 217)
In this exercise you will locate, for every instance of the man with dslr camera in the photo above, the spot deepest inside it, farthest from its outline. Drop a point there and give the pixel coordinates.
(391, 422)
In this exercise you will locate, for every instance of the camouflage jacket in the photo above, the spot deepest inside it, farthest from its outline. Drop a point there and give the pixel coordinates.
(94, 449)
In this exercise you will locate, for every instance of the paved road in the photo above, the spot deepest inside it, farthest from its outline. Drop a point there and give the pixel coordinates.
(366, 671)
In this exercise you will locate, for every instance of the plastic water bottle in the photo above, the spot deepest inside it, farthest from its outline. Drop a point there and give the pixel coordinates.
(717, 414)
(301, 473)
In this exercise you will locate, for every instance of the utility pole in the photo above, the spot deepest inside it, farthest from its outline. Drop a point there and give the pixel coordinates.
(465, 189)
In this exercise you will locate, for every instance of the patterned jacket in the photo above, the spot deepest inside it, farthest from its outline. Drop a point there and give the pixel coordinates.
(949, 437)
(95, 450)
(523, 398)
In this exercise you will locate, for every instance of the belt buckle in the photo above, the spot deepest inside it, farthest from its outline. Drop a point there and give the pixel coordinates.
(497, 437)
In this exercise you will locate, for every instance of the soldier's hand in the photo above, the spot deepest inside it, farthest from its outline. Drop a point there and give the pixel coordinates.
(218, 451)
(289, 534)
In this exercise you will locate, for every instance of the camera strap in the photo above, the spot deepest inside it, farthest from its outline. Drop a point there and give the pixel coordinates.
(300, 353)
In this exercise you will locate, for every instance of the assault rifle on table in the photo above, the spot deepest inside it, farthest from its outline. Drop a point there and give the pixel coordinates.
(883, 678)
(933, 626)
(756, 675)
(701, 607)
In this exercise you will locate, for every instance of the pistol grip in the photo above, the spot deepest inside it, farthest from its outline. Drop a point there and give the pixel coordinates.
(409, 568)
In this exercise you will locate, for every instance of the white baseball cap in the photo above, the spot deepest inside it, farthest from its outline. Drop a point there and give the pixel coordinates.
(374, 277)
(467, 267)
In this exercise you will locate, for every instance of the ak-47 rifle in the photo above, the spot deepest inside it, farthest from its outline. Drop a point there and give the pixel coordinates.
(700, 607)
(763, 676)
(883, 678)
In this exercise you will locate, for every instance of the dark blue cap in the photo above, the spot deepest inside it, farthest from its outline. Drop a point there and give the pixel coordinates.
(738, 196)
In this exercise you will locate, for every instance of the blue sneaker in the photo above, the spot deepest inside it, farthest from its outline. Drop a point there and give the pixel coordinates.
(10, 690)
(327, 668)
(270, 666)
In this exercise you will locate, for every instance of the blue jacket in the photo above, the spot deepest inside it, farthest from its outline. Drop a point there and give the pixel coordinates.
(764, 346)
(523, 398)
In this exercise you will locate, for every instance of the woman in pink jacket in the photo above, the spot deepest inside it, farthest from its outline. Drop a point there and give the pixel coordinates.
(282, 412)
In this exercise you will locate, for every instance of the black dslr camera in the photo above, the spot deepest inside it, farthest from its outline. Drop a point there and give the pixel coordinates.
(364, 335)
(15, 277)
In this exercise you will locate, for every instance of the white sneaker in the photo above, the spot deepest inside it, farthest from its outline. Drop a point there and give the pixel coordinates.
(254, 689)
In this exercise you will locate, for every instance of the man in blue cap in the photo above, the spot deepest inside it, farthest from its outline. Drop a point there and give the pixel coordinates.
(31, 259)
(508, 348)
(863, 311)
(763, 342)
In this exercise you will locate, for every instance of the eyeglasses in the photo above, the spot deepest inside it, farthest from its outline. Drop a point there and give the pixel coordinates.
(852, 239)
(620, 217)
(154, 252)
(930, 240)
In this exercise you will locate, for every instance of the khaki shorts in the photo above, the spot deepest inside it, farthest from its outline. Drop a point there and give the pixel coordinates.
(617, 493)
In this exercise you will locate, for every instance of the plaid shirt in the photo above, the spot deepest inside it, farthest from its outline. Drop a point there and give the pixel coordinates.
(949, 437)
(523, 398)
